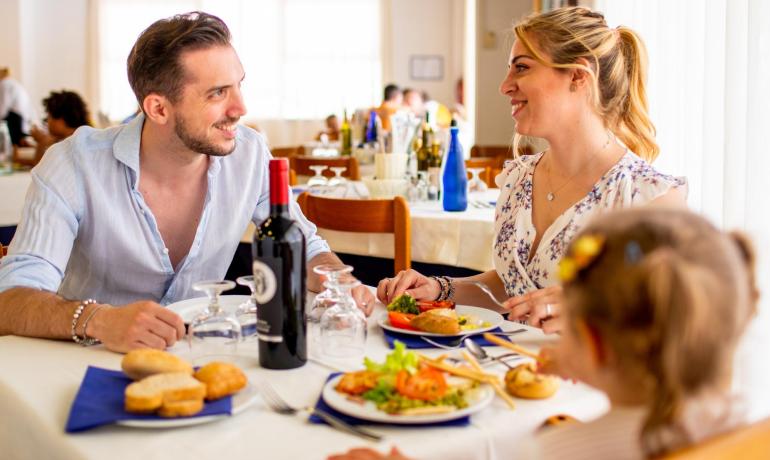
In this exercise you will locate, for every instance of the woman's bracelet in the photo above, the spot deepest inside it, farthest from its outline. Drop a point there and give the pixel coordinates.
(447, 288)
(85, 340)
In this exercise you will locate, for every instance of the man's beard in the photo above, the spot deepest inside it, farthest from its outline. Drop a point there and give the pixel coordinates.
(200, 144)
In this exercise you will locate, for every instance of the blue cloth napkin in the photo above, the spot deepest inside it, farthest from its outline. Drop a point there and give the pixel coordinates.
(414, 342)
(100, 402)
(321, 404)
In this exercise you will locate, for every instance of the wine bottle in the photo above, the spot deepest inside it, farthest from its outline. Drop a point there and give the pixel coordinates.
(423, 155)
(455, 180)
(346, 135)
(279, 277)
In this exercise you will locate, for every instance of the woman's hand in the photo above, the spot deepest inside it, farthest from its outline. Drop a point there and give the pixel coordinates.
(541, 308)
(417, 285)
(369, 454)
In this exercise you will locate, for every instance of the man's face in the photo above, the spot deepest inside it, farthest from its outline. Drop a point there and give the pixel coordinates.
(211, 102)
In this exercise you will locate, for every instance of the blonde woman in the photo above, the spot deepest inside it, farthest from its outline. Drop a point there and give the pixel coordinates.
(580, 85)
(656, 302)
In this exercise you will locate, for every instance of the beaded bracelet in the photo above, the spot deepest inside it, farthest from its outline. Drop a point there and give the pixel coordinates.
(91, 340)
(85, 340)
(447, 288)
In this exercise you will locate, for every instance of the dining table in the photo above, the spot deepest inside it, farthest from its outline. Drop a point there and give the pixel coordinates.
(40, 379)
(13, 189)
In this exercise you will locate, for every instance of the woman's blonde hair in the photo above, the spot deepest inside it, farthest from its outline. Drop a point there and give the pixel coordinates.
(617, 64)
(670, 295)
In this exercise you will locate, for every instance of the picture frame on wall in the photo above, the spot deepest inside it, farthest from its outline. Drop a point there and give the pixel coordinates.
(426, 67)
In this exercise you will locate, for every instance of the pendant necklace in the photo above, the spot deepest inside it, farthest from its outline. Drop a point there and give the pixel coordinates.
(551, 195)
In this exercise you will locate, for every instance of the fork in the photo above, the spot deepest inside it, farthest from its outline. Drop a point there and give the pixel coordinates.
(484, 288)
(457, 343)
(280, 406)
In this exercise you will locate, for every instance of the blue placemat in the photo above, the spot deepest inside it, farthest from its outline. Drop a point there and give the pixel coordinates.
(321, 404)
(100, 402)
(413, 342)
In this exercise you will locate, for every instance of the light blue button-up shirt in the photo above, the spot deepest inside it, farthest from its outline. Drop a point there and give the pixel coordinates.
(86, 231)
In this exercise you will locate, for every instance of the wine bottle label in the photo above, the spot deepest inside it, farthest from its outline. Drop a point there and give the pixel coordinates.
(265, 283)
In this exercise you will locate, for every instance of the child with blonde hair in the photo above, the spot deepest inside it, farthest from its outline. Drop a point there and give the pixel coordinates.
(656, 301)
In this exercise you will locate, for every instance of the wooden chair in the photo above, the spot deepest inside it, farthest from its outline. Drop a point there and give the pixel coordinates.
(364, 216)
(302, 165)
(489, 164)
(747, 443)
(3, 250)
(495, 151)
(292, 177)
(287, 152)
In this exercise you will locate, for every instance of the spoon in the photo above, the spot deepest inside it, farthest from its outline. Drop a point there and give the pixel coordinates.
(479, 353)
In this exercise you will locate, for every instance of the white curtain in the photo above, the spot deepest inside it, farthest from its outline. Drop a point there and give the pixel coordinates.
(709, 91)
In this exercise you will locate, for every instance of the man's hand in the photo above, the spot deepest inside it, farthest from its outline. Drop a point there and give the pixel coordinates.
(364, 299)
(142, 324)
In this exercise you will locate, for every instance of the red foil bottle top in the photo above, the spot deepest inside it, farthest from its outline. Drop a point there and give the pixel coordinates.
(279, 181)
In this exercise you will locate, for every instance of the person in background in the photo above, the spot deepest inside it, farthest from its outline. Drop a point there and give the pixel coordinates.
(121, 221)
(580, 85)
(458, 111)
(15, 107)
(66, 111)
(656, 301)
(440, 116)
(392, 100)
(413, 101)
(332, 130)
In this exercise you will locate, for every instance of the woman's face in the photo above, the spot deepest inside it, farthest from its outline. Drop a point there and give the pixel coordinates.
(541, 100)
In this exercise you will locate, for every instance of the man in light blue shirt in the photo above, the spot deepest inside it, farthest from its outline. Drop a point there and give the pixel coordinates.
(133, 215)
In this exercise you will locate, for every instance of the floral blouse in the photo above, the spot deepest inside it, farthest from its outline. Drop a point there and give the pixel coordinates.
(630, 182)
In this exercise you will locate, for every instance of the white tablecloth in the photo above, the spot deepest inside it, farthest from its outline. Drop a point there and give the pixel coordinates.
(13, 189)
(39, 380)
(461, 239)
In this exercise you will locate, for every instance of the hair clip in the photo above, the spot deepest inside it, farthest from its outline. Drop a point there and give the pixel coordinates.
(581, 254)
(634, 253)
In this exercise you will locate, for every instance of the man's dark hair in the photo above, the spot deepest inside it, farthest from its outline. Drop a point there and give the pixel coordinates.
(154, 65)
(390, 93)
(67, 106)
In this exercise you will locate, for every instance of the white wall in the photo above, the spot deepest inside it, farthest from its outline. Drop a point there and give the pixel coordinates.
(10, 34)
(494, 125)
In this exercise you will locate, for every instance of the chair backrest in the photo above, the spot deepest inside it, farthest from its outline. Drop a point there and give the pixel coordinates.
(302, 165)
(286, 152)
(490, 164)
(750, 442)
(3, 250)
(494, 151)
(364, 216)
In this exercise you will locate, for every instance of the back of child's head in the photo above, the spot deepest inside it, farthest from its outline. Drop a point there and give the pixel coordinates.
(670, 295)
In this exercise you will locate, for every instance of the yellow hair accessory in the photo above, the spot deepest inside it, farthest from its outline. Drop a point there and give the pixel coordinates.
(582, 252)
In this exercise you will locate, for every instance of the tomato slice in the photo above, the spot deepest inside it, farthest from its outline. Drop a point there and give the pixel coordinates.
(425, 305)
(401, 320)
(427, 384)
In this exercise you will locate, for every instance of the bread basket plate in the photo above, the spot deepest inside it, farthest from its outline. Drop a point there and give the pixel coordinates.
(477, 400)
(241, 401)
(493, 318)
(187, 309)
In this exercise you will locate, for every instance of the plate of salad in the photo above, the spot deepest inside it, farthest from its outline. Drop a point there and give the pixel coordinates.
(437, 319)
(402, 391)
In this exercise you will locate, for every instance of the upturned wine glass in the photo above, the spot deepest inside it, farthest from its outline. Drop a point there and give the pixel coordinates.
(331, 274)
(246, 313)
(337, 179)
(343, 324)
(476, 184)
(214, 333)
(318, 179)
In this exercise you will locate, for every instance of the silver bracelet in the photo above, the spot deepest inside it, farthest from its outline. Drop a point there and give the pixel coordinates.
(442, 288)
(85, 340)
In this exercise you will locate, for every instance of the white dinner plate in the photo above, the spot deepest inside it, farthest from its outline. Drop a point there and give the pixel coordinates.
(187, 309)
(478, 400)
(494, 319)
(241, 401)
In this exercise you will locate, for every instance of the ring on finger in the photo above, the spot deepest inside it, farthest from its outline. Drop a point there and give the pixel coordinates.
(548, 310)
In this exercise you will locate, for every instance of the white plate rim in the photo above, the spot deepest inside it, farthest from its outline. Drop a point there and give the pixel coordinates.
(368, 411)
(241, 401)
(494, 318)
(189, 307)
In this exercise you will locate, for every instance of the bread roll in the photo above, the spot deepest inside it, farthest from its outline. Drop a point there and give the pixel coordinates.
(184, 408)
(138, 364)
(156, 391)
(438, 320)
(524, 381)
(221, 379)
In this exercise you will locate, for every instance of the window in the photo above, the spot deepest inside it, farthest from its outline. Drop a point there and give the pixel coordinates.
(303, 59)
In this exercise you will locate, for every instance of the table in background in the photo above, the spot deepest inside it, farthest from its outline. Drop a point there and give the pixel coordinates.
(41, 377)
(13, 190)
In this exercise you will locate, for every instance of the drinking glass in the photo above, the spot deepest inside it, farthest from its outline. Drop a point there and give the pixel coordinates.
(413, 192)
(246, 313)
(332, 274)
(319, 178)
(337, 179)
(343, 324)
(476, 184)
(214, 333)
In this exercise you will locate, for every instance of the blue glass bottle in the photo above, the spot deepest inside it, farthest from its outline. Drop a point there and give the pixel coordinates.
(371, 129)
(455, 180)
